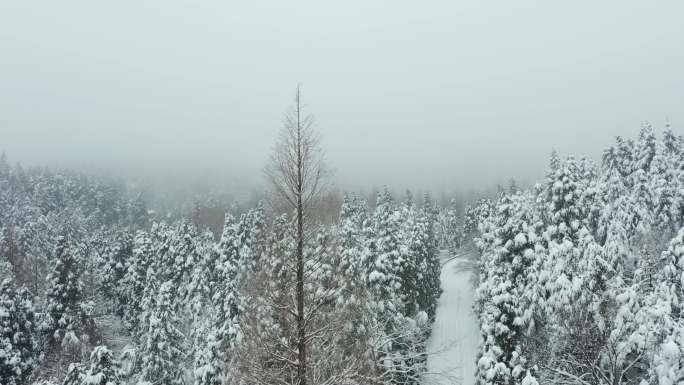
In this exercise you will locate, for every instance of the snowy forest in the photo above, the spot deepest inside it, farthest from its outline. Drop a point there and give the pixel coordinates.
(99, 289)
(581, 277)
(358, 192)
(578, 279)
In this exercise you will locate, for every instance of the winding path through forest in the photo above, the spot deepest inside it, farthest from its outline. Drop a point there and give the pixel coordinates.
(455, 333)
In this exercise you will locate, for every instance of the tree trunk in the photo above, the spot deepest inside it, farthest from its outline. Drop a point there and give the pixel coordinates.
(301, 330)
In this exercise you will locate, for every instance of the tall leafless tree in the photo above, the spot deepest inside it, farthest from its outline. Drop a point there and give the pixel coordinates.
(297, 174)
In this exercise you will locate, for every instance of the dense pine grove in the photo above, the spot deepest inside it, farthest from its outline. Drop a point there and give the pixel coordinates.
(581, 277)
(579, 281)
(97, 289)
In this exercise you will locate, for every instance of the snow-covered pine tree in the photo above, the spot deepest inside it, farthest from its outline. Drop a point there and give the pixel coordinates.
(64, 313)
(202, 284)
(350, 268)
(563, 197)
(221, 276)
(564, 230)
(609, 313)
(267, 327)
(115, 265)
(665, 316)
(641, 202)
(384, 278)
(350, 234)
(554, 164)
(593, 318)
(670, 301)
(199, 293)
(612, 196)
(231, 268)
(624, 156)
(430, 267)
(592, 201)
(397, 253)
(162, 351)
(163, 257)
(645, 149)
(35, 239)
(434, 265)
(250, 233)
(474, 217)
(75, 375)
(413, 258)
(350, 250)
(103, 369)
(8, 262)
(505, 307)
(18, 348)
(134, 281)
(183, 256)
(448, 231)
(470, 224)
(665, 185)
(208, 362)
(671, 144)
(152, 263)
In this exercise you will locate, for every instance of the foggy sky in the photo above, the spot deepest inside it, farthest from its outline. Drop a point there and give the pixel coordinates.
(419, 94)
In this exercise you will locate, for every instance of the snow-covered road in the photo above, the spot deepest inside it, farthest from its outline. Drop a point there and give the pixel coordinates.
(455, 335)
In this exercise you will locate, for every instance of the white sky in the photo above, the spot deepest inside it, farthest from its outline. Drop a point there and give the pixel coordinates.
(406, 93)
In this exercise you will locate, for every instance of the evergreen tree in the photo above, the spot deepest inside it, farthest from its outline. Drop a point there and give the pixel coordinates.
(350, 233)
(231, 270)
(75, 375)
(671, 144)
(673, 273)
(350, 265)
(64, 296)
(447, 228)
(667, 315)
(134, 281)
(385, 275)
(162, 353)
(504, 312)
(563, 196)
(430, 267)
(665, 185)
(18, 349)
(221, 276)
(250, 233)
(184, 255)
(103, 370)
(115, 265)
(208, 359)
(625, 157)
(412, 256)
(645, 149)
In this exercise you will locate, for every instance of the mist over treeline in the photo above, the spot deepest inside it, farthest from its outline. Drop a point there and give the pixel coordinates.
(178, 191)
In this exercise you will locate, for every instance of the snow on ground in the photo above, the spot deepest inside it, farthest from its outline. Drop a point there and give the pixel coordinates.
(455, 333)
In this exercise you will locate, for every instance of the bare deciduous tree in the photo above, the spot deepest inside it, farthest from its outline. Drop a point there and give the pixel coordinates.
(297, 174)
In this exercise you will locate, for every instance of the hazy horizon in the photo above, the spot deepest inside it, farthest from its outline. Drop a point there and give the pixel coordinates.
(442, 96)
